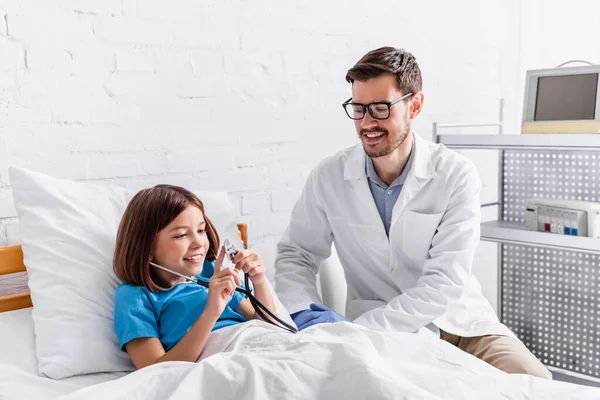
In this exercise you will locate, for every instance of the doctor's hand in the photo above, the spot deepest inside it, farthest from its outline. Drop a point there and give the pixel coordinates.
(317, 314)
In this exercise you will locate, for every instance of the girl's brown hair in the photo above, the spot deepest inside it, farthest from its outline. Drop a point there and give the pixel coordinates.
(148, 212)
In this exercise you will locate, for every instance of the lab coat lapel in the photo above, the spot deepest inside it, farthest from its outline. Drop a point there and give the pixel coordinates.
(356, 176)
(421, 172)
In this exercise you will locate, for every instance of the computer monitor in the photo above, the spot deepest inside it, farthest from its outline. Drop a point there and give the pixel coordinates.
(562, 100)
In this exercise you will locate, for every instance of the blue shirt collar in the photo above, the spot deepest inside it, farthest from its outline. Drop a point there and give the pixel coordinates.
(372, 175)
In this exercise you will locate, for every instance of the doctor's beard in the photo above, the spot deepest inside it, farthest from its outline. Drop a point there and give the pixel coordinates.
(387, 143)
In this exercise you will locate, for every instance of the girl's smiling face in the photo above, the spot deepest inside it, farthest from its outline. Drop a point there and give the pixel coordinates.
(182, 245)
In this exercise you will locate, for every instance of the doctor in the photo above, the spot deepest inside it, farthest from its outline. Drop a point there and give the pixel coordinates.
(404, 215)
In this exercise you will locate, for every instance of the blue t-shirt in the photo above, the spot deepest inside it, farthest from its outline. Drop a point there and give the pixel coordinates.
(169, 314)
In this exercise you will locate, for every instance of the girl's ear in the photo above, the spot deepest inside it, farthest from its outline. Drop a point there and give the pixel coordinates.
(152, 249)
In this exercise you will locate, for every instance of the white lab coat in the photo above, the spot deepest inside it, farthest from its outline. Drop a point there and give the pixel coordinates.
(422, 274)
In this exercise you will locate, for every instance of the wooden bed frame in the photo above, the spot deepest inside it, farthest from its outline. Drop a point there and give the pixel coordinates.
(11, 262)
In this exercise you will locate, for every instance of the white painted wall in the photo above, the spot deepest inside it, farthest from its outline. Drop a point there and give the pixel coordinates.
(230, 95)
(556, 31)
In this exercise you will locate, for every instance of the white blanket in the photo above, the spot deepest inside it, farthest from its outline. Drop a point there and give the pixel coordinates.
(329, 361)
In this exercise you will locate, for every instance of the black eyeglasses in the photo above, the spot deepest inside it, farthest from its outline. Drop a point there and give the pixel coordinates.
(378, 110)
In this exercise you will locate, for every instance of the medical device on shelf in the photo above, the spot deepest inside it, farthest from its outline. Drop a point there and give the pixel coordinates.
(562, 100)
(563, 217)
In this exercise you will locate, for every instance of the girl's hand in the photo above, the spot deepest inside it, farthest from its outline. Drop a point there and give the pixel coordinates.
(251, 263)
(221, 287)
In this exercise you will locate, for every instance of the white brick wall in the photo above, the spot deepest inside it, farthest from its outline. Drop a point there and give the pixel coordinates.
(11, 55)
(284, 200)
(226, 95)
(7, 208)
(257, 203)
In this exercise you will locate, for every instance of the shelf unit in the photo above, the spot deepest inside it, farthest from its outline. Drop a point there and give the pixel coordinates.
(515, 233)
(560, 142)
(548, 283)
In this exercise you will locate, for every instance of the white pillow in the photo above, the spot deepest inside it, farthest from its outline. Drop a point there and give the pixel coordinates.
(68, 232)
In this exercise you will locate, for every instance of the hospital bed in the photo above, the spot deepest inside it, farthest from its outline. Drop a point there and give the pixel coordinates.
(19, 376)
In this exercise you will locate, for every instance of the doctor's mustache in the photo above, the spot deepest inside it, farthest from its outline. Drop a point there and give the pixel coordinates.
(378, 129)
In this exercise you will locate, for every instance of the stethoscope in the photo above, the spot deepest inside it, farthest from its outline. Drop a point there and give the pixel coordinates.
(258, 306)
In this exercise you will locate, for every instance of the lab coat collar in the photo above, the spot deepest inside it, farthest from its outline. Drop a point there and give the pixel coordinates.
(422, 167)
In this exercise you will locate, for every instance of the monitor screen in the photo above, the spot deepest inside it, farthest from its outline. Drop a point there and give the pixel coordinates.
(567, 97)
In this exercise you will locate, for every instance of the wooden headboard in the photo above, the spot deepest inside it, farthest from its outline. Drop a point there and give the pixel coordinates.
(11, 262)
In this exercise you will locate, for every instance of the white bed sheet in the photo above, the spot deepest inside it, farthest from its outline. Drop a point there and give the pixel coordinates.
(19, 378)
(257, 361)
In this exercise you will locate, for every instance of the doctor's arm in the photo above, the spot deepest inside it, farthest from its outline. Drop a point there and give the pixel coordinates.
(305, 243)
(446, 271)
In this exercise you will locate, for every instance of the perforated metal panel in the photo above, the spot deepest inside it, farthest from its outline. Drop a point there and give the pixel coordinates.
(550, 301)
(551, 298)
(555, 175)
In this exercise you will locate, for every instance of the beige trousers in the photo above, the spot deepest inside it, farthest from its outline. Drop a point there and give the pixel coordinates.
(503, 352)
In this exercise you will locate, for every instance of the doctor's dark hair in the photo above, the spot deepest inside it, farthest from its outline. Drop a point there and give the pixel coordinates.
(388, 60)
(148, 212)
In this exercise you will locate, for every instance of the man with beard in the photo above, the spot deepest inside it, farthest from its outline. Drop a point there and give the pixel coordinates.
(404, 215)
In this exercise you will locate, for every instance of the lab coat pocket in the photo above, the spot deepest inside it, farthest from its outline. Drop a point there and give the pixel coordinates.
(417, 233)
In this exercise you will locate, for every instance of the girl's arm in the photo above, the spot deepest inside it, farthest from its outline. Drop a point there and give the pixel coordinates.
(263, 294)
(250, 262)
(147, 351)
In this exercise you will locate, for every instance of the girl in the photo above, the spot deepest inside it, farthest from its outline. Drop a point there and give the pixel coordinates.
(158, 315)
